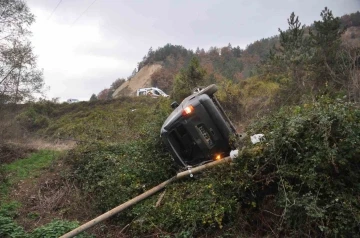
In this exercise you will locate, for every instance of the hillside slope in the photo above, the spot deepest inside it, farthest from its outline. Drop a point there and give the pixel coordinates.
(303, 180)
(221, 63)
(140, 80)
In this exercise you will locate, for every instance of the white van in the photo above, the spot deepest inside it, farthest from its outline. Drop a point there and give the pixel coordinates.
(72, 100)
(152, 92)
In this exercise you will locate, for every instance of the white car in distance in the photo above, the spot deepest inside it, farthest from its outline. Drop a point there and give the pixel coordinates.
(152, 92)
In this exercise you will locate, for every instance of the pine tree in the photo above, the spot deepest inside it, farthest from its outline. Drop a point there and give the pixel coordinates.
(195, 74)
(187, 80)
(197, 51)
(326, 41)
(294, 51)
(288, 61)
(93, 98)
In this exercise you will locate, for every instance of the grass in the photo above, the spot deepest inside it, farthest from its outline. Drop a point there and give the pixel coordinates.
(28, 169)
(25, 168)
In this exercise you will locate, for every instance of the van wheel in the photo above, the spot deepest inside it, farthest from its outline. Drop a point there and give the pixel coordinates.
(209, 90)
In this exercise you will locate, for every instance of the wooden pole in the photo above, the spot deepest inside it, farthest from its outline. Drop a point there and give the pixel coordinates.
(142, 196)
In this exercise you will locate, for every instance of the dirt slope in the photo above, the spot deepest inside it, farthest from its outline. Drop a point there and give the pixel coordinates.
(140, 80)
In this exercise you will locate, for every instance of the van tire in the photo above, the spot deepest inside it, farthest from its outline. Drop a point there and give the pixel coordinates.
(209, 90)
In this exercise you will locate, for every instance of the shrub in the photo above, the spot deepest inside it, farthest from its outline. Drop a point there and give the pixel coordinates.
(200, 205)
(230, 97)
(308, 168)
(8, 227)
(115, 172)
(302, 181)
(54, 229)
(57, 228)
(32, 120)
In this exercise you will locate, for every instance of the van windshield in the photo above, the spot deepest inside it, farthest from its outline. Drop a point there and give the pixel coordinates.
(159, 91)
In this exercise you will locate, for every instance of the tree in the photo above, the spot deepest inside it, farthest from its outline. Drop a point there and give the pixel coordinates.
(93, 98)
(237, 51)
(116, 84)
(197, 52)
(326, 41)
(104, 94)
(350, 66)
(188, 79)
(195, 74)
(19, 76)
(294, 51)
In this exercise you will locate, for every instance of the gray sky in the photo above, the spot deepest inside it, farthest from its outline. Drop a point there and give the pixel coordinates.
(81, 56)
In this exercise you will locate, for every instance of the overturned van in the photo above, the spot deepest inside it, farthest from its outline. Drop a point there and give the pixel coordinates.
(198, 130)
(152, 92)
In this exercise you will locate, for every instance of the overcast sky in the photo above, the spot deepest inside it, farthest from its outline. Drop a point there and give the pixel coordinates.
(84, 51)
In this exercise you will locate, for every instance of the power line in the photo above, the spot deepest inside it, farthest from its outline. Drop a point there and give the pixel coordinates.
(54, 9)
(83, 13)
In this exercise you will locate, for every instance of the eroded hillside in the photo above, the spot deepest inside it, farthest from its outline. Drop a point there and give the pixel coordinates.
(142, 79)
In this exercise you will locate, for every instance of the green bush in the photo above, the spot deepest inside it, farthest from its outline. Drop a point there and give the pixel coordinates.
(195, 206)
(32, 120)
(55, 229)
(308, 168)
(303, 180)
(8, 227)
(116, 173)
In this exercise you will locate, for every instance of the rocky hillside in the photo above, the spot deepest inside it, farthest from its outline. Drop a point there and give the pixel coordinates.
(140, 80)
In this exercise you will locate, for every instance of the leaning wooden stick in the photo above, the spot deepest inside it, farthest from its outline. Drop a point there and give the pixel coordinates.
(144, 195)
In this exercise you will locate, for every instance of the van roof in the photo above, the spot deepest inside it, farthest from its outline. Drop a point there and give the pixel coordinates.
(147, 88)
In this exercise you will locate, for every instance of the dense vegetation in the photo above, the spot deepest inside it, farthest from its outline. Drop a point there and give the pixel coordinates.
(302, 180)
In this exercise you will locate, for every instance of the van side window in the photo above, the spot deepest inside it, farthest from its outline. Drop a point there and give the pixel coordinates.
(156, 92)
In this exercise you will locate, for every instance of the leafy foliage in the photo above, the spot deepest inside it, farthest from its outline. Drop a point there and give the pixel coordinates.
(93, 98)
(54, 229)
(352, 19)
(116, 173)
(302, 180)
(8, 228)
(112, 120)
(326, 40)
(32, 120)
(19, 76)
(309, 164)
(162, 53)
(312, 61)
(129, 165)
(186, 80)
(104, 94)
(57, 228)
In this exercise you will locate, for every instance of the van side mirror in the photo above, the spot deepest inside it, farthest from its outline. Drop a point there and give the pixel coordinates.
(174, 105)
